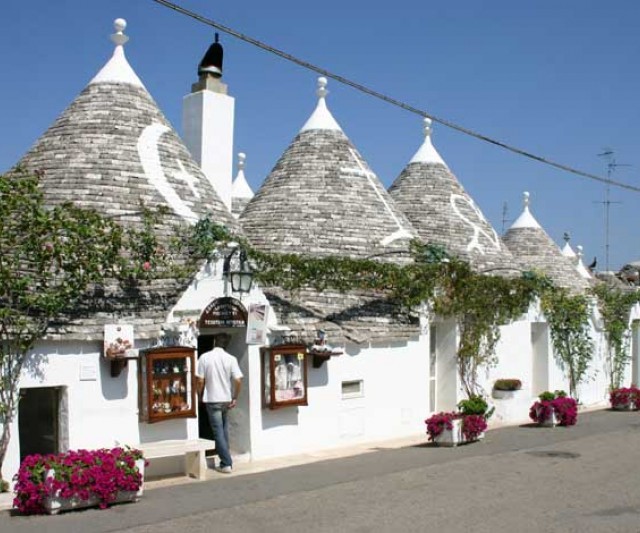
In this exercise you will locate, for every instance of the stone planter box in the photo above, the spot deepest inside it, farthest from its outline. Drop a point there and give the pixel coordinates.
(454, 436)
(54, 504)
(630, 406)
(551, 421)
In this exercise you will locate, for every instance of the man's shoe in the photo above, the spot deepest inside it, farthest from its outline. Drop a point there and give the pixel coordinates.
(224, 469)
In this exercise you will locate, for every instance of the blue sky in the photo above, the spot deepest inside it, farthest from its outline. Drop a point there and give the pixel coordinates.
(557, 78)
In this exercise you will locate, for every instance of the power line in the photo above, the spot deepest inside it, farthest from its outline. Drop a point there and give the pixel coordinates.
(388, 99)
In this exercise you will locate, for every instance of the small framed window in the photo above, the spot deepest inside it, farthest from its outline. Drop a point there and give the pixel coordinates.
(352, 389)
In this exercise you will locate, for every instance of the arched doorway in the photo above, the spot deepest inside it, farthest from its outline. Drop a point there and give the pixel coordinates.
(227, 315)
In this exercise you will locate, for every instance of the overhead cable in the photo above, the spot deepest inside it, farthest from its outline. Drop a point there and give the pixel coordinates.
(390, 100)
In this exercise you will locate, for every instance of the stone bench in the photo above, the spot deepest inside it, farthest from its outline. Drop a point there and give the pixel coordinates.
(193, 450)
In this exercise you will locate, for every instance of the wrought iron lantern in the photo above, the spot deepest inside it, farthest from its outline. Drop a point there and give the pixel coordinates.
(238, 273)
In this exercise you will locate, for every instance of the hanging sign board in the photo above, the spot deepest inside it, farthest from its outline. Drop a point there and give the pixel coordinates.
(257, 324)
(224, 313)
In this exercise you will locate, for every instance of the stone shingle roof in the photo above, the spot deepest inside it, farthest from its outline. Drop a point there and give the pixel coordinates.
(111, 149)
(322, 199)
(443, 213)
(535, 250)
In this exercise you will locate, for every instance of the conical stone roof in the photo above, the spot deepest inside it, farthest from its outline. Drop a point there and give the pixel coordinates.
(443, 213)
(535, 250)
(110, 150)
(321, 198)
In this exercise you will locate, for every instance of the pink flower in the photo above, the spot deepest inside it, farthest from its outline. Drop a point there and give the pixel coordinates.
(146, 266)
(81, 473)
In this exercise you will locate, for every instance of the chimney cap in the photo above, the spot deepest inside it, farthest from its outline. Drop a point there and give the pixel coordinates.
(211, 63)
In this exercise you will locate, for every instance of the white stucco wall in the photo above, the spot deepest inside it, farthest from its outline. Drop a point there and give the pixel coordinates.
(394, 402)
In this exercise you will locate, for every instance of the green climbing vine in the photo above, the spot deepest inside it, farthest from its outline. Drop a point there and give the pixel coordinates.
(615, 307)
(568, 318)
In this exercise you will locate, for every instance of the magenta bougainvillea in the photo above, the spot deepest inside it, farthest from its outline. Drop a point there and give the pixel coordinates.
(437, 423)
(473, 426)
(566, 410)
(624, 396)
(81, 474)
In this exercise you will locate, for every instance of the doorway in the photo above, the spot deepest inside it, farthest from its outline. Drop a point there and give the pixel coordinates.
(205, 343)
(39, 421)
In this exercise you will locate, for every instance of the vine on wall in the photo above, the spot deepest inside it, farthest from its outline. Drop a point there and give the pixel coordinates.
(615, 307)
(568, 317)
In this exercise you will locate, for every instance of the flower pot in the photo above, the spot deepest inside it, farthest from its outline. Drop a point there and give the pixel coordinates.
(54, 504)
(629, 406)
(505, 394)
(550, 421)
(451, 437)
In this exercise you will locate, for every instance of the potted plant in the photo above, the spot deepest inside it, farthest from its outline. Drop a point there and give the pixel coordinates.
(625, 398)
(554, 408)
(468, 424)
(77, 479)
(445, 428)
(506, 388)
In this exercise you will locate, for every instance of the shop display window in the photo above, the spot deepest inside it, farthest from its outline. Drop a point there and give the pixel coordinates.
(284, 375)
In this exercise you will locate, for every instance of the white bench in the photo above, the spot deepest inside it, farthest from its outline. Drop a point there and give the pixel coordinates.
(193, 450)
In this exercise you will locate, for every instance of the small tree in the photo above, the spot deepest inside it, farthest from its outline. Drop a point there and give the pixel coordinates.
(49, 257)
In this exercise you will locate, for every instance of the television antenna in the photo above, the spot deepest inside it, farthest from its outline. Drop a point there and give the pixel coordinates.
(505, 212)
(609, 156)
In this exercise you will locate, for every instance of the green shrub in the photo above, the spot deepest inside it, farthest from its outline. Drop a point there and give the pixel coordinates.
(507, 384)
(548, 396)
(475, 405)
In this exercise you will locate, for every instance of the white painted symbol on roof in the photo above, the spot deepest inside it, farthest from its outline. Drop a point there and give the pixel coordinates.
(370, 176)
(474, 243)
(183, 175)
(152, 166)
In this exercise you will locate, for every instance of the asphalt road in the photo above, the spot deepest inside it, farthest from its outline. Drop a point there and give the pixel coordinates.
(524, 479)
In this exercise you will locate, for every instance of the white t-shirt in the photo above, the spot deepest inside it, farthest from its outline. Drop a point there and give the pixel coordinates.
(218, 368)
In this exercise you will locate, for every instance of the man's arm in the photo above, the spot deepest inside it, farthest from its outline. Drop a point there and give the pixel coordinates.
(200, 386)
(237, 387)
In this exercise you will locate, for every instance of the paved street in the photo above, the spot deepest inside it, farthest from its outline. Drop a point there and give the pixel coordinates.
(521, 479)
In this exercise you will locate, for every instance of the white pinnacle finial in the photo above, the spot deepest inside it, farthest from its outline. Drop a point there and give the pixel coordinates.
(322, 87)
(526, 219)
(321, 118)
(119, 38)
(117, 69)
(579, 248)
(427, 126)
(241, 158)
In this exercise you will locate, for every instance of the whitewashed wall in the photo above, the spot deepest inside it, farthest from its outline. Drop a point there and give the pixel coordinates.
(394, 402)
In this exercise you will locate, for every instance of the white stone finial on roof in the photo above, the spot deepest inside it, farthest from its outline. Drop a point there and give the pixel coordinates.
(321, 118)
(117, 69)
(427, 152)
(322, 87)
(427, 126)
(240, 188)
(119, 38)
(582, 270)
(567, 251)
(526, 219)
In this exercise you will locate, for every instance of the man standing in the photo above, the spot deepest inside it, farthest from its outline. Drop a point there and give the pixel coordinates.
(219, 383)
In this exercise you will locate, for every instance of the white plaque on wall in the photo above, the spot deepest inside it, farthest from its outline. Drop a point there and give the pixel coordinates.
(88, 372)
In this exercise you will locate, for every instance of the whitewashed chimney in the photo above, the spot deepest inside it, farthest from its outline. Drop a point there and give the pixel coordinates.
(207, 123)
